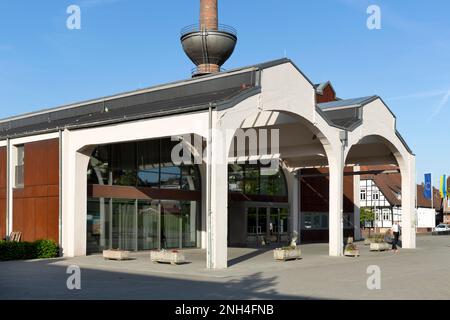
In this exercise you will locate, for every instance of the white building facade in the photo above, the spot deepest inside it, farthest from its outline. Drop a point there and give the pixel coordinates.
(213, 110)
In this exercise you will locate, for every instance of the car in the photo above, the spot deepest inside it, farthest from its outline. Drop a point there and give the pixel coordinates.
(442, 227)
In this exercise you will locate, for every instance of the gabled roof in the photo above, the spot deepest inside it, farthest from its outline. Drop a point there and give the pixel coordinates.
(220, 90)
(321, 86)
(347, 103)
(344, 114)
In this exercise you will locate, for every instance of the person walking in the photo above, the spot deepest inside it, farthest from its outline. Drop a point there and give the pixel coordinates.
(396, 233)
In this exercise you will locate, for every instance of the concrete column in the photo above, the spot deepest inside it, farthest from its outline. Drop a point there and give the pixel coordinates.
(11, 163)
(74, 209)
(203, 232)
(356, 204)
(408, 172)
(336, 168)
(217, 228)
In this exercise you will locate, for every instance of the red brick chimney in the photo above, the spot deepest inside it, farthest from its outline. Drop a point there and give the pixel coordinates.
(209, 20)
(209, 15)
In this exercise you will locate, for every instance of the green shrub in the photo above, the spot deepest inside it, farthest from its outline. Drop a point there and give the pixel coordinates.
(40, 249)
(45, 249)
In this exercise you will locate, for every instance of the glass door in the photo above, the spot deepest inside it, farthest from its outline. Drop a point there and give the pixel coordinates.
(271, 222)
(148, 225)
(274, 222)
(124, 224)
(252, 226)
(189, 224)
(171, 224)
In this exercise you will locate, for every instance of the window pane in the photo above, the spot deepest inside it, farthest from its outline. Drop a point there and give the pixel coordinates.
(274, 222)
(124, 164)
(189, 213)
(170, 174)
(251, 179)
(251, 220)
(148, 225)
(148, 163)
(317, 221)
(99, 166)
(98, 222)
(124, 225)
(236, 178)
(262, 220)
(284, 220)
(190, 178)
(170, 224)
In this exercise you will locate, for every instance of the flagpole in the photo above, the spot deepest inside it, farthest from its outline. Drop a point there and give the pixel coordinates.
(432, 192)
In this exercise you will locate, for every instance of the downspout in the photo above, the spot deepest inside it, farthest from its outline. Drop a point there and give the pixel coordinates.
(209, 202)
(8, 186)
(60, 192)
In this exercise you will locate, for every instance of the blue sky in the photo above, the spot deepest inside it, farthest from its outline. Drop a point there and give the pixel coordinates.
(126, 45)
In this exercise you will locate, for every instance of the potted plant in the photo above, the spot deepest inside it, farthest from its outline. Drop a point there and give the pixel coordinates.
(173, 257)
(351, 250)
(287, 253)
(378, 244)
(373, 238)
(116, 254)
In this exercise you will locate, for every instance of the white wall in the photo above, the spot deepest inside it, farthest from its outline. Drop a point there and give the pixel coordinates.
(426, 218)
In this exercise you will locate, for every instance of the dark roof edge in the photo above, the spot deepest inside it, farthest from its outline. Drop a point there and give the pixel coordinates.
(259, 66)
(219, 105)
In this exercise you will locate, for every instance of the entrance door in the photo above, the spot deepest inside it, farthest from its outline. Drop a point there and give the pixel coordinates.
(124, 224)
(148, 225)
(269, 222)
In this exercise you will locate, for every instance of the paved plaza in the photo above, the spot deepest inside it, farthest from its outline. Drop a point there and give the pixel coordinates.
(422, 273)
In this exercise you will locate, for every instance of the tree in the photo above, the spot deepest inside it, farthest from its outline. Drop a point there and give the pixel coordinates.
(366, 215)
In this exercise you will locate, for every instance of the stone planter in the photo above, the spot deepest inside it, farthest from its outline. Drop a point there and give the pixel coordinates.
(281, 254)
(367, 241)
(351, 253)
(172, 257)
(116, 255)
(379, 246)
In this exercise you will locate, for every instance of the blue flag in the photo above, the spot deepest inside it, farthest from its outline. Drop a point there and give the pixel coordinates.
(428, 186)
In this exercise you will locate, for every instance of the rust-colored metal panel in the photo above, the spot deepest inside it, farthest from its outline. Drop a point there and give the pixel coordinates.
(121, 192)
(2, 218)
(37, 191)
(36, 166)
(238, 196)
(40, 217)
(18, 215)
(3, 184)
(36, 206)
(18, 193)
(29, 221)
(3, 162)
(53, 162)
(53, 191)
(53, 218)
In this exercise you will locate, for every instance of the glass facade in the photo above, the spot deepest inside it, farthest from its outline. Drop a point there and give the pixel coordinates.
(141, 164)
(142, 224)
(256, 179)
